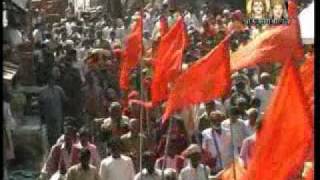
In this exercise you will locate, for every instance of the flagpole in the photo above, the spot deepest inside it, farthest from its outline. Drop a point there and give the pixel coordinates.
(233, 149)
(141, 95)
(167, 142)
(166, 149)
(196, 111)
(206, 174)
(147, 114)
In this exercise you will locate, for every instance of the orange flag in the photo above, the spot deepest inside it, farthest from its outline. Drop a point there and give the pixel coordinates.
(274, 44)
(286, 135)
(131, 55)
(307, 77)
(205, 80)
(168, 62)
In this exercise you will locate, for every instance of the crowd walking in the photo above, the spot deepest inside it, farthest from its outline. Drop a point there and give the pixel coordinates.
(98, 131)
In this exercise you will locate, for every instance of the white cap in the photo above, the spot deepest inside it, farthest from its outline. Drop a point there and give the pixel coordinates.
(251, 110)
(264, 74)
(226, 11)
(99, 8)
(184, 66)
(63, 20)
(69, 42)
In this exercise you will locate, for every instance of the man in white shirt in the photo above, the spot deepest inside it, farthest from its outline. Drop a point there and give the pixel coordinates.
(113, 40)
(234, 130)
(37, 34)
(213, 140)
(83, 51)
(264, 90)
(69, 25)
(116, 166)
(195, 170)
(147, 22)
(106, 32)
(120, 30)
(251, 122)
(191, 20)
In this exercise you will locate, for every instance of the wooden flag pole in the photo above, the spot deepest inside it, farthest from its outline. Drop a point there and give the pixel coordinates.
(164, 164)
(233, 156)
(147, 115)
(141, 95)
(206, 174)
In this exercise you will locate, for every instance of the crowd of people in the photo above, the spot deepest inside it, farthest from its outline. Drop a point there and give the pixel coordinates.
(94, 129)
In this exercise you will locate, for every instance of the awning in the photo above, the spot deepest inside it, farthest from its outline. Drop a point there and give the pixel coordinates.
(306, 18)
(22, 4)
(9, 70)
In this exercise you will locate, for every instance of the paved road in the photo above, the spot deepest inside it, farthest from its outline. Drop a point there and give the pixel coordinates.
(30, 147)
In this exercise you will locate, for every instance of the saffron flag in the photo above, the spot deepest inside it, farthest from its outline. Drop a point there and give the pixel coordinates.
(274, 44)
(168, 62)
(286, 135)
(307, 76)
(131, 55)
(207, 79)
